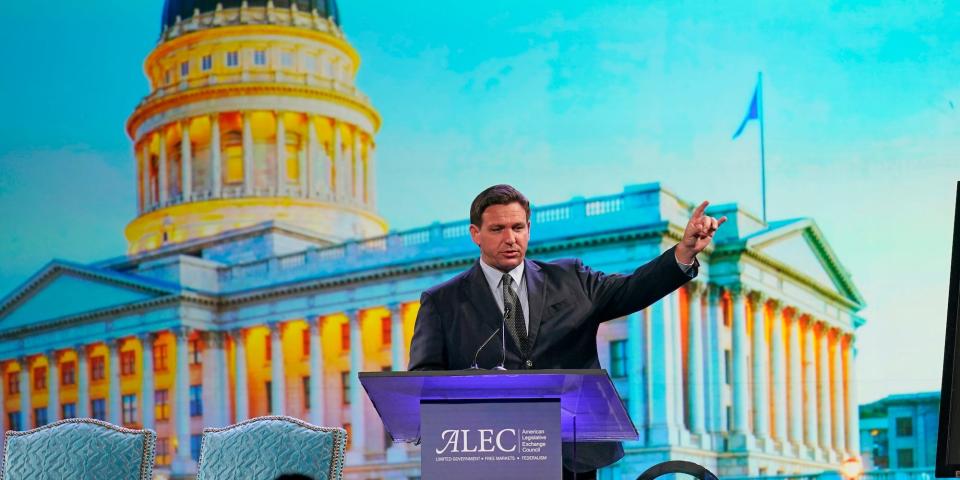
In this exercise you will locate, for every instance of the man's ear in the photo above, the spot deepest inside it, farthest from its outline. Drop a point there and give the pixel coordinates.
(475, 234)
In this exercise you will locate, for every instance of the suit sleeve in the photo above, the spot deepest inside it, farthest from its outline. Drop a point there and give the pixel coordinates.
(618, 295)
(427, 348)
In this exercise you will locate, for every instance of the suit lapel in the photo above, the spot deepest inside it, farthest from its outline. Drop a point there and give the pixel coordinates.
(477, 291)
(535, 298)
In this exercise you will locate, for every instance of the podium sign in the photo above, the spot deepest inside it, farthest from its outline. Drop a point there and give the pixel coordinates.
(470, 440)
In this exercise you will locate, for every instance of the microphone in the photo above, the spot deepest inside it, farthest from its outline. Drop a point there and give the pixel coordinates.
(484, 344)
(503, 338)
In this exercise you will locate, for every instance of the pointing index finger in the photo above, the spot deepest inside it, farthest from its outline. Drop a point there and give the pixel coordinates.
(699, 211)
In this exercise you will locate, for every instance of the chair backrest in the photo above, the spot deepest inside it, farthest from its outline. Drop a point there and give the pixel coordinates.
(264, 448)
(79, 448)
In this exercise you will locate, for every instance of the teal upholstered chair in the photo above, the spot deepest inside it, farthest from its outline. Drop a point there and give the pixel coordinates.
(79, 448)
(264, 448)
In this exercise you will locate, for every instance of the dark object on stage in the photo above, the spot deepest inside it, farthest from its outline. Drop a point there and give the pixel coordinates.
(948, 439)
(677, 466)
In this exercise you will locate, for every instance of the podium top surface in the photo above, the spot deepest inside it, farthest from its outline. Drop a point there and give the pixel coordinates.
(590, 408)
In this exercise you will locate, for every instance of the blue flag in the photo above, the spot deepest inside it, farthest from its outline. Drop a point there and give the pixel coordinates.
(753, 113)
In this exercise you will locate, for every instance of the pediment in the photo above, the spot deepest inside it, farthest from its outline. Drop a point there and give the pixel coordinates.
(64, 290)
(800, 246)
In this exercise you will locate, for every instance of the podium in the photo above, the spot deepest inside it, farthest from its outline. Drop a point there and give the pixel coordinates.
(474, 424)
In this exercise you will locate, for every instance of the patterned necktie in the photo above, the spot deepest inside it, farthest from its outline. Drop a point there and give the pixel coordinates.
(514, 314)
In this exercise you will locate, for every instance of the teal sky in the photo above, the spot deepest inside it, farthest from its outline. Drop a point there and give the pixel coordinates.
(561, 98)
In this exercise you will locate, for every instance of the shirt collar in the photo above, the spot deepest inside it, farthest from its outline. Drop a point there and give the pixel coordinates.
(494, 276)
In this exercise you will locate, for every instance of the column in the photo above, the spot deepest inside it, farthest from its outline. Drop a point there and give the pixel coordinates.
(83, 382)
(278, 388)
(25, 393)
(371, 176)
(853, 413)
(741, 401)
(145, 174)
(358, 426)
(839, 405)
(397, 340)
(761, 359)
(795, 378)
(695, 385)
(810, 384)
(663, 428)
(216, 164)
(53, 386)
(716, 421)
(636, 345)
(241, 395)
(215, 408)
(673, 307)
(281, 145)
(181, 403)
(247, 154)
(186, 161)
(359, 176)
(317, 162)
(823, 383)
(162, 186)
(147, 391)
(779, 361)
(340, 170)
(317, 372)
(113, 377)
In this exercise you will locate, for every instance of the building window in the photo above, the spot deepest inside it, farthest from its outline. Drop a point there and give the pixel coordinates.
(311, 63)
(184, 68)
(167, 75)
(161, 400)
(206, 63)
(193, 352)
(345, 336)
(97, 368)
(728, 367)
(163, 451)
(13, 383)
(98, 409)
(306, 392)
(160, 358)
(269, 390)
(259, 57)
(129, 409)
(233, 59)
(345, 387)
(68, 373)
(195, 442)
(386, 330)
(904, 458)
(618, 358)
(13, 420)
(904, 427)
(306, 342)
(128, 362)
(268, 348)
(40, 378)
(196, 400)
(286, 59)
(69, 410)
(40, 416)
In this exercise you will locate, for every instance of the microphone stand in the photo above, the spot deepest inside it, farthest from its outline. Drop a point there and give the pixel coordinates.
(503, 343)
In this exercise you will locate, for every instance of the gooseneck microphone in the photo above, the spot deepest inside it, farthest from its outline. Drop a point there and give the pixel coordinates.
(484, 344)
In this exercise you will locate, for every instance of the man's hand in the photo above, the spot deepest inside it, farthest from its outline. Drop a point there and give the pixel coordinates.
(698, 234)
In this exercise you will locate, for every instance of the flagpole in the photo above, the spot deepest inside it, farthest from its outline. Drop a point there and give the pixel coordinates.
(763, 160)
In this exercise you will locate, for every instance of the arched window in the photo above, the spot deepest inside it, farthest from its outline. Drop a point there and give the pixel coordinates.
(292, 146)
(232, 154)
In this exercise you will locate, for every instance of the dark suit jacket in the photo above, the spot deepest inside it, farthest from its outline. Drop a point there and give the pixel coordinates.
(567, 302)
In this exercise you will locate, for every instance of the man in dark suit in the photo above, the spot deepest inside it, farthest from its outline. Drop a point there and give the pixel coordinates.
(551, 309)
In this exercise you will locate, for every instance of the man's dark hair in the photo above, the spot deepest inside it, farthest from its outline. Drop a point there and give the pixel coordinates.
(496, 195)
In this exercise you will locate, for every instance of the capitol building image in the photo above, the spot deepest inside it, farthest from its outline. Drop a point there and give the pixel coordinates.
(259, 278)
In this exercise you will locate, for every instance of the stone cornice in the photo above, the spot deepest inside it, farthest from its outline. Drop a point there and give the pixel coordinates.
(158, 105)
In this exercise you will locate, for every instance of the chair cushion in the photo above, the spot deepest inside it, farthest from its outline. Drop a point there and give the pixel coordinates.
(266, 447)
(79, 449)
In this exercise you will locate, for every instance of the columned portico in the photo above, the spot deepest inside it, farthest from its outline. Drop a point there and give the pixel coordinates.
(147, 391)
(741, 401)
(182, 462)
(317, 372)
(241, 393)
(357, 451)
(277, 374)
(53, 386)
(695, 377)
(761, 361)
